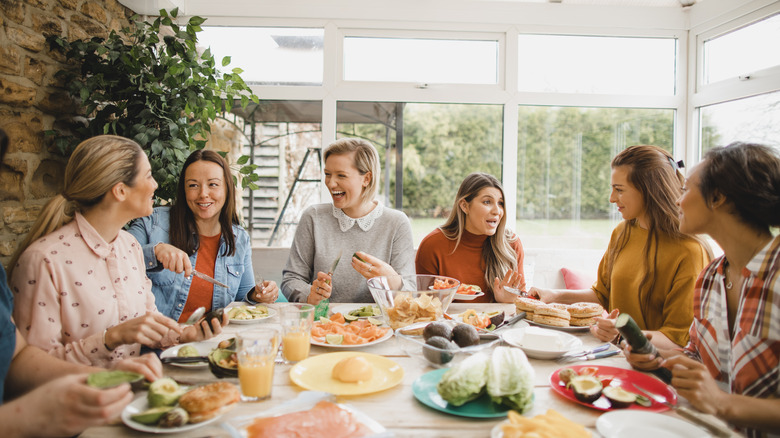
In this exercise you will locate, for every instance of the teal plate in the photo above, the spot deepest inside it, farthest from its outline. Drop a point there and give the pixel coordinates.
(424, 389)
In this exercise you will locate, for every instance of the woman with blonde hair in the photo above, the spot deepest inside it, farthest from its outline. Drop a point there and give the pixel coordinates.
(79, 282)
(474, 246)
(650, 267)
(355, 223)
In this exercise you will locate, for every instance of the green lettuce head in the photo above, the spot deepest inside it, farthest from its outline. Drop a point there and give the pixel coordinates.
(510, 379)
(464, 382)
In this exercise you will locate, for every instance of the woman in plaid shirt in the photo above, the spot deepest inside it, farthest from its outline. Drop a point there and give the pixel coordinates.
(731, 366)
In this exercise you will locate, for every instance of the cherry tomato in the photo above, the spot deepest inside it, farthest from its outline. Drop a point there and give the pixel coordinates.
(588, 371)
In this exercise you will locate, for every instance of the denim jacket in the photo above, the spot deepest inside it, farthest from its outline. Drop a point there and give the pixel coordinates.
(171, 289)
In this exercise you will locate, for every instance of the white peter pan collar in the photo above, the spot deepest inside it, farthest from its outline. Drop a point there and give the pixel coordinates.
(365, 223)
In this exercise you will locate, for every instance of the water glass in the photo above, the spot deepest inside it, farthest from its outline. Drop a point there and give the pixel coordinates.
(257, 349)
(297, 320)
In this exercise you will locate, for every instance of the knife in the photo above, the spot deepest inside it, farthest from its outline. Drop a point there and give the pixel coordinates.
(321, 309)
(598, 349)
(190, 359)
(507, 322)
(209, 279)
(335, 263)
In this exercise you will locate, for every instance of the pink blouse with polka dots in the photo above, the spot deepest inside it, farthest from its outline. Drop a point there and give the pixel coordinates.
(70, 285)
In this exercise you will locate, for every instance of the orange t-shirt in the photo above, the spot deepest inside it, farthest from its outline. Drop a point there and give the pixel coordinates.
(201, 291)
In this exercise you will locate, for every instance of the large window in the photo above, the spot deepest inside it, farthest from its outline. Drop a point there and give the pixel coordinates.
(742, 52)
(563, 169)
(420, 60)
(269, 55)
(752, 119)
(596, 65)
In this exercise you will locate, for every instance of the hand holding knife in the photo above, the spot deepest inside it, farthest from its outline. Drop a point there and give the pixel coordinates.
(203, 276)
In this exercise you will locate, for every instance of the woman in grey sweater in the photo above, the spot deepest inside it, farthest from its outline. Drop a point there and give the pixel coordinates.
(355, 223)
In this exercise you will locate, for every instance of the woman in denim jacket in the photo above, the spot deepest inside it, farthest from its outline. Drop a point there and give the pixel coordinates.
(200, 231)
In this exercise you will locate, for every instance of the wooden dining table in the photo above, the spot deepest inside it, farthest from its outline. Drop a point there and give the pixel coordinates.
(396, 408)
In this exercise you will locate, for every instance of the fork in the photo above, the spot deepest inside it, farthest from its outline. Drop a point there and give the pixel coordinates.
(688, 414)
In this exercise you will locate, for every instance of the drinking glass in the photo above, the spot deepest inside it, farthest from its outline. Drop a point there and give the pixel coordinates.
(297, 319)
(257, 349)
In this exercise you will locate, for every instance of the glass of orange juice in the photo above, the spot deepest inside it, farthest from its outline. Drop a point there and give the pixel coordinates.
(257, 349)
(297, 319)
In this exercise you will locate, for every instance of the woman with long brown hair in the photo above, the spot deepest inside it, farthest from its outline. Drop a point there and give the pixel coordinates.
(474, 246)
(200, 231)
(78, 278)
(650, 267)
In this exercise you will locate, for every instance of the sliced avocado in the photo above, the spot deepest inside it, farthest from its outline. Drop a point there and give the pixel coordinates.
(619, 397)
(109, 379)
(151, 416)
(643, 401)
(163, 392)
(587, 389)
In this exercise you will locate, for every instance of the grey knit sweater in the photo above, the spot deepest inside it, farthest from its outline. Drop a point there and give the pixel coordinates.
(319, 239)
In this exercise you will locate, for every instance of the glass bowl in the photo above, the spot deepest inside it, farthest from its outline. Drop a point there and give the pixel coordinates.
(413, 344)
(407, 299)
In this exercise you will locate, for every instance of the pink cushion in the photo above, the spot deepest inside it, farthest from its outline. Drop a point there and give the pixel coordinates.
(577, 279)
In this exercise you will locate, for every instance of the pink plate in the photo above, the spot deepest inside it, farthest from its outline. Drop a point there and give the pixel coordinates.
(623, 378)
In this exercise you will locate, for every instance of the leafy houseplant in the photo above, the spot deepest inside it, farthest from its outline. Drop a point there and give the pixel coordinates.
(149, 83)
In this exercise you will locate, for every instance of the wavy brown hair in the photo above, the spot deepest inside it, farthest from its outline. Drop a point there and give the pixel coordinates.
(497, 252)
(653, 172)
(184, 229)
(96, 165)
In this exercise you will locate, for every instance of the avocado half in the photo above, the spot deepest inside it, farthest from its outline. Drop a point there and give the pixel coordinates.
(619, 397)
(587, 389)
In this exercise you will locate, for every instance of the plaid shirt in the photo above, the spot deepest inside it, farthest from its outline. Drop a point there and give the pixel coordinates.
(749, 362)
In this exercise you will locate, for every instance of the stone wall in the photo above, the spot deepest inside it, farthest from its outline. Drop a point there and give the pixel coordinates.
(31, 100)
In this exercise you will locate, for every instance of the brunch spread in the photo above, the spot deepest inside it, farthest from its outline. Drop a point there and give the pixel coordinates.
(559, 315)
(407, 310)
(247, 313)
(170, 406)
(337, 331)
(325, 419)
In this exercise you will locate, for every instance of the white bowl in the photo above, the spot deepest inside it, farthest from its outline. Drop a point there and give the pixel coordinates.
(563, 343)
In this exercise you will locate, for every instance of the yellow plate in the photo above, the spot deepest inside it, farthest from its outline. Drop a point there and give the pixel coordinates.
(314, 374)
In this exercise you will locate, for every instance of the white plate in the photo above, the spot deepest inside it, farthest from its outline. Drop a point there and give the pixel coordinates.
(566, 342)
(387, 336)
(140, 404)
(641, 424)
(571, 328)
(469, 297)
(497, 431)
(346, 308)
(203, 347)
(271, 313)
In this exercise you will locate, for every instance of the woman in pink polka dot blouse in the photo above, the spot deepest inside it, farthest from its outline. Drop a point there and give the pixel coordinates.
(78, 279)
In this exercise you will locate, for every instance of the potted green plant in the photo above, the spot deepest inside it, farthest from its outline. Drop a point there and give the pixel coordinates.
(150, 83)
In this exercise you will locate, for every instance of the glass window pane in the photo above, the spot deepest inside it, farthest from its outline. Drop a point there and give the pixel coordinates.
(420, 60)
(563, 170)
(753, 119)
(743, 51)
(442, 143)
(283, 133)
(597, 65)
(268, 56)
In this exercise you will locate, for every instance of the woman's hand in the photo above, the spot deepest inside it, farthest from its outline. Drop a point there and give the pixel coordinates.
(320, 289)
(604, 328)
(372, 266)
(146, 330)
(512, 279)
(204, 329)
(69, 406)
(266, 293)
(149, 365)
(644, 362)
(544, 295)
(173, 259)
(693, 381)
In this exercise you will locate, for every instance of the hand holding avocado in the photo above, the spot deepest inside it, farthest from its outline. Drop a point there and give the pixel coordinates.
(369, 266)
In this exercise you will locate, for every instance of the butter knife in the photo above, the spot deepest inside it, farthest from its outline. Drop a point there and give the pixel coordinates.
(209, 279)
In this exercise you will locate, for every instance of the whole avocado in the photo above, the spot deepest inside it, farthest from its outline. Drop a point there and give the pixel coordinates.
(465, 335)
(437, 329)
(437, 350)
